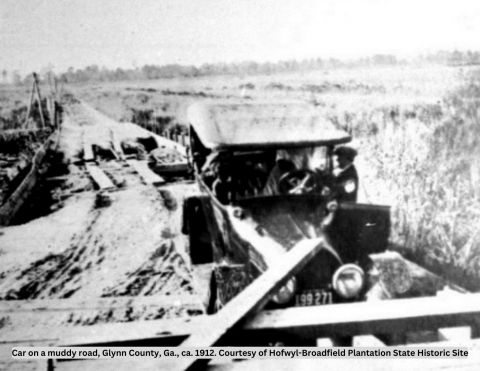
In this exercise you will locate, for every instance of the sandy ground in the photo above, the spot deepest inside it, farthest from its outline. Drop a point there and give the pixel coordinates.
(93, 256)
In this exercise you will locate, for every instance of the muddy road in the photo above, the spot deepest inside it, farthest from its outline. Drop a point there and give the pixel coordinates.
(121, 247)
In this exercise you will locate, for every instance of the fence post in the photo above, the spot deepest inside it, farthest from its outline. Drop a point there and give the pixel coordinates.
(39, 98)
(29, 105)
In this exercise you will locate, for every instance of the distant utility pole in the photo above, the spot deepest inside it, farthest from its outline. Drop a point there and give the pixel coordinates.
(35, 91)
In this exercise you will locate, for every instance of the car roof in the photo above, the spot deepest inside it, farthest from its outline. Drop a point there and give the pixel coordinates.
(256, 125)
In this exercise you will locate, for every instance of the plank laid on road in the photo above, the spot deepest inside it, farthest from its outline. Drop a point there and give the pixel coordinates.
(117, 148)
(88, 154)
(321, 321)
(251, 300)
(99, 177)
(357, 318)
(147, 175)
(81, 304)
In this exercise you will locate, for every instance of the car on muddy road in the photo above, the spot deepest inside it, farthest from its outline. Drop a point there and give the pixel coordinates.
(267, 181)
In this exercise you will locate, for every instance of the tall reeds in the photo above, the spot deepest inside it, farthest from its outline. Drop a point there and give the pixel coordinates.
(425, 162)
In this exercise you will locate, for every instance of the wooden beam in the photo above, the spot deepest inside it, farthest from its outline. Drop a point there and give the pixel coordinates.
(60, 305)
(39, 98)
(316, 322)
(10, 208)
(147, 175)
(373, 317)
(99, 177)
(455, 333)
(358, 318)
(29, 108)
(251, 300)
(88, 154)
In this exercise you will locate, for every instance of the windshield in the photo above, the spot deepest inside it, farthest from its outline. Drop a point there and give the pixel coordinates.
(310, 158)
(238, 175)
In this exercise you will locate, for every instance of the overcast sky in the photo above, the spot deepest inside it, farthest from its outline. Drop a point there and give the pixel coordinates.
(128, 33)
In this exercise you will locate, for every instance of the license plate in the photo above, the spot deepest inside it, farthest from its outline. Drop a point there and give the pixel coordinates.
(313, 297)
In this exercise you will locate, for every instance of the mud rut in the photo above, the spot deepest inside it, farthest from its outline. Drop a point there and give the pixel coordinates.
(96, 255)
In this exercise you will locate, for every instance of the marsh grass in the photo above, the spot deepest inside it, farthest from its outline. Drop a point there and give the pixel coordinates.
(13, 107)
(425, 162)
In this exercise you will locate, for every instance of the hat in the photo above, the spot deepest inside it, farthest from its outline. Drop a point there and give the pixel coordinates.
(346, 152)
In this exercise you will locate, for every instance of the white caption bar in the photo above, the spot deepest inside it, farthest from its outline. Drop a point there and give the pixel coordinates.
(234, 352)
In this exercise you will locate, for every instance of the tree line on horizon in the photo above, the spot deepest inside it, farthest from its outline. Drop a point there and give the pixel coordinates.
(94, 73)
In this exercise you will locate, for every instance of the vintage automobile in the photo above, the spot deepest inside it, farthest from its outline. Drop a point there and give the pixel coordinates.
(266, 177)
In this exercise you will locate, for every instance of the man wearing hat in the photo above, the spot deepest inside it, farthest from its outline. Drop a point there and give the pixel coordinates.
(345, 182)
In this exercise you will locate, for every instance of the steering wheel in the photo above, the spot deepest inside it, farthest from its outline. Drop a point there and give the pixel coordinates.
(298, 182)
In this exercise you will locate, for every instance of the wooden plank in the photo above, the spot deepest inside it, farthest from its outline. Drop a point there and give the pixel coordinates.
(43, 312)
(151, 333)
(51, 110)
(24, 365)
(39, 98)
(88, 154)
(147, 175)
(10, 208)
(202, 274)
(455, 333)
(251, 300)
(99, 177)
(29, 105)
(373, 317)
(366, 341)
(116, 144)
(61, 178)
(59, 305)
(352, 319)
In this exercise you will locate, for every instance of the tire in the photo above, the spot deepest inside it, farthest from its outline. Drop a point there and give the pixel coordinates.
(226, 282)
(195, 225)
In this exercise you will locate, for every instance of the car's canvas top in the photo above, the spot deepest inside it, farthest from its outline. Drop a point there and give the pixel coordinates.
(229, 125)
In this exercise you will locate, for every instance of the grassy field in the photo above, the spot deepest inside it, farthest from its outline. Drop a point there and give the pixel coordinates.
(14, 102)
(13, 106)
(417, 129)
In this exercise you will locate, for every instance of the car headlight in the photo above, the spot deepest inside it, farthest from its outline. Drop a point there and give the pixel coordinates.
(348, 280)
(286, 292)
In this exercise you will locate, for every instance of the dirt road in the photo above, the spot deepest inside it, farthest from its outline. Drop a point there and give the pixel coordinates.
(87, 250)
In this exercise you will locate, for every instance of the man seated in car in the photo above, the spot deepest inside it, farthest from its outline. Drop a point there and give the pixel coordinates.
(297, 171)
(281, 167)
(345, 179)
